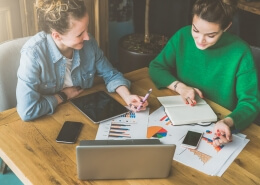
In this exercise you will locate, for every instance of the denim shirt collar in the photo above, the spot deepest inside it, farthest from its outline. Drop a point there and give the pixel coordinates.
(56, 54)
(54, 51)
(76, 59)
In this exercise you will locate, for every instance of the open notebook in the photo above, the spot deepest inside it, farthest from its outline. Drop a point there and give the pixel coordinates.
(180, 113)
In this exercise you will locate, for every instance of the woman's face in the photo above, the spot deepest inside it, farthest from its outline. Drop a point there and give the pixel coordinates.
(204, 33)
(77, 33)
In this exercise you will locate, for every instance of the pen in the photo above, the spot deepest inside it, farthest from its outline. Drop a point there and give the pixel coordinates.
(145, 98)
(232, 132)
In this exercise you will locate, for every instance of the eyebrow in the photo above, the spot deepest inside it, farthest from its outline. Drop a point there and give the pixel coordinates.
(206, 33)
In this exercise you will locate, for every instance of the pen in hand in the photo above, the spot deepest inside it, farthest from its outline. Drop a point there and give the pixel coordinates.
(145, 98)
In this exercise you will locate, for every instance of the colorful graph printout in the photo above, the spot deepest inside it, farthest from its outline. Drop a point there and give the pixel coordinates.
(203, 157)
(166, 119)
(129, 126)
(129, 115)
(156, 131)
(119, 129)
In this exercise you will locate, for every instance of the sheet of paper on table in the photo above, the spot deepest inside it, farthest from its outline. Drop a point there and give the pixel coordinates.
(206, 158)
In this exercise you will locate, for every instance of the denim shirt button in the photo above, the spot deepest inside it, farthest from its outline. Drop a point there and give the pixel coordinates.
(90, 74)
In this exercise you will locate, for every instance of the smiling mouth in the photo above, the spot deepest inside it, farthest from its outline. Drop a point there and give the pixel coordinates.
(202, 45)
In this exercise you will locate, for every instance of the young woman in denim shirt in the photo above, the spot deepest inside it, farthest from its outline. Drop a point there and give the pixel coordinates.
(62, 60)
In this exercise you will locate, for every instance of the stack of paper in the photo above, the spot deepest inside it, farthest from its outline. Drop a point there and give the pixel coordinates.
(206, 158)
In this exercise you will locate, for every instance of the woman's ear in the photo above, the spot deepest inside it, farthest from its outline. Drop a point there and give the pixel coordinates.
(228, 26)
(55, 35)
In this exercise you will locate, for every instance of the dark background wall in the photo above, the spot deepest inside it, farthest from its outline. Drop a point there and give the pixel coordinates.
(166, 17)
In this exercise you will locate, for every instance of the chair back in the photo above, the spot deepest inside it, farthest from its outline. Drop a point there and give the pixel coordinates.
(9, 63)
(256, 55)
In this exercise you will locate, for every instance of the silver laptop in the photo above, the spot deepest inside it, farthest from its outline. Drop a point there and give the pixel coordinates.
(124, 159)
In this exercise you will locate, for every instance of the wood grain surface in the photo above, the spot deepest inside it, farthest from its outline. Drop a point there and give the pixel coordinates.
(30, 149)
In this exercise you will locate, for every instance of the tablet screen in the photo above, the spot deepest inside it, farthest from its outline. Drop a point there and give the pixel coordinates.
(99, 106)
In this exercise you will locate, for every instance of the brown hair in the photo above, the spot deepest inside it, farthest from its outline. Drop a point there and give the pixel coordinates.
(216, 11)
(56, 14)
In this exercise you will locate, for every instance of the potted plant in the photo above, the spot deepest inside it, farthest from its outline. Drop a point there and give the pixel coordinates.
(137, 50)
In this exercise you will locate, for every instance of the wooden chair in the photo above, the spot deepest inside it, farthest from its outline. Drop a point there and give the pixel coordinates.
(256, 55)
(9, 62)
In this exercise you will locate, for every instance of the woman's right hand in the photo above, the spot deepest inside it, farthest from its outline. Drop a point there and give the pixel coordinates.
(187, 93)
(72, 92)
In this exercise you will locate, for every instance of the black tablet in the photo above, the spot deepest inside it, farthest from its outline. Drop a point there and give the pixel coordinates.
(99, 106)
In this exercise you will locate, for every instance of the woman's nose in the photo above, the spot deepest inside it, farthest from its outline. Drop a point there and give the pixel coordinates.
(86, 36)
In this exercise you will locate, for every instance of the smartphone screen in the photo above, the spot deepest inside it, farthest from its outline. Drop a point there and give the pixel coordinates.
(69, 132)
(192, 139)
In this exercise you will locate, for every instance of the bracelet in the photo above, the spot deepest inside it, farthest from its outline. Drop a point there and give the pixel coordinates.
(175, 86)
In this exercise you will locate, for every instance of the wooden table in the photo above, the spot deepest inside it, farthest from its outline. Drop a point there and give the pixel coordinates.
(30, 150)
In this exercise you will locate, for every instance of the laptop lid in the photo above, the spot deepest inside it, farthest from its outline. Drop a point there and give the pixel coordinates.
(124, 159)
(99, 106)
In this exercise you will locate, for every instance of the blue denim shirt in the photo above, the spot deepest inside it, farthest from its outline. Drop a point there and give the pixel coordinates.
(42, 70)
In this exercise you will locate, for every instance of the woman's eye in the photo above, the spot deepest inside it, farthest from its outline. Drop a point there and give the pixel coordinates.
(195, 30)
(211, 36)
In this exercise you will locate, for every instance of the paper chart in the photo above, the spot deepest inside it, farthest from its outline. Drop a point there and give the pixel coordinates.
(128, 126)
(206, 158)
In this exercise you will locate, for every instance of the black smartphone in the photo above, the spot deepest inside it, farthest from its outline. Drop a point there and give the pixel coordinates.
(69, 132)
(192, 139)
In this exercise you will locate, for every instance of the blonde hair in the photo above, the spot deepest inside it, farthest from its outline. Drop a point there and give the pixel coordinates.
(216, 11)
(56, 14)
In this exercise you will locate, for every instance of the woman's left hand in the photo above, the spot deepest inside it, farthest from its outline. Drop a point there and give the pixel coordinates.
(222, 133)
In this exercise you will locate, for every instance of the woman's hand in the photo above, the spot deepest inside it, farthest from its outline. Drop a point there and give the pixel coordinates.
(135, 102)
(187, 93)
(132, 100)
(222, 132)
(71, 92)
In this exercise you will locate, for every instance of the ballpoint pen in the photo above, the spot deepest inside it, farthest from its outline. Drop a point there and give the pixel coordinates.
(232, 132)
(145, 98)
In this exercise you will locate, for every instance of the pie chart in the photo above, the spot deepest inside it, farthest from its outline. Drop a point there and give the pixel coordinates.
(156, 132)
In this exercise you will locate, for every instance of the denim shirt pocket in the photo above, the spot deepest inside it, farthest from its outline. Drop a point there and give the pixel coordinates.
(88, 79)
(47, 88)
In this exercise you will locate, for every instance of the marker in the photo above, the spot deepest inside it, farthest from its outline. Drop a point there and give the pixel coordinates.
(145, 98)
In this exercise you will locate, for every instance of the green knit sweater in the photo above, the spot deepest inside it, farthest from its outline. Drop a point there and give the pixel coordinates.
(225, 72)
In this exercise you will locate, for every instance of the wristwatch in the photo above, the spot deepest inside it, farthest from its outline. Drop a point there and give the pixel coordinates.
(62, 96)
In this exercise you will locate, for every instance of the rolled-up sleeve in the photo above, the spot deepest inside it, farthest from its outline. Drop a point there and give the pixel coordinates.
(112, 77)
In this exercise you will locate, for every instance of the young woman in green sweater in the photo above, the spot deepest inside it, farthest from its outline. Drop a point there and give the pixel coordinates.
(206, 60)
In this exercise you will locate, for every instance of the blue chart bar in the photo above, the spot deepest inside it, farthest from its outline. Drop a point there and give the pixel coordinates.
(129, 115)
(119, 130)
